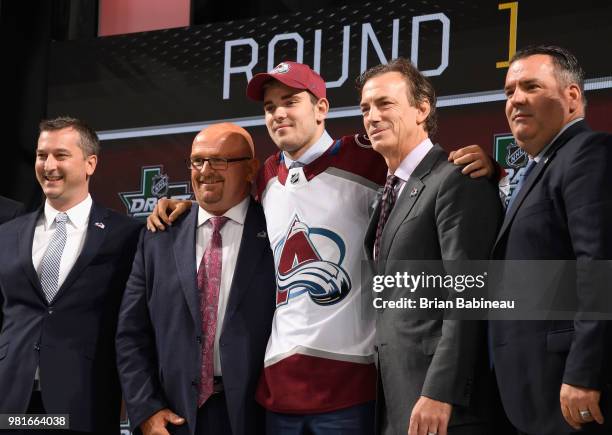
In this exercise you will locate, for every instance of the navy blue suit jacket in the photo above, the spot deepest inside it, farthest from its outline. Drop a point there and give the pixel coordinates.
(9, 209)
(563, 211)
(71, 339)
(160, 329)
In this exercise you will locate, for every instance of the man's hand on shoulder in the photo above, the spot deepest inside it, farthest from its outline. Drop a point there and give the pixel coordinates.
(429, 416)
(156, 424)
(477, 162)
(159, 218)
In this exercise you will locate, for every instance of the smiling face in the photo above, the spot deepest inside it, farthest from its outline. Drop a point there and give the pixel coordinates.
(219, 190)
(62, 169)
(293, 120)
(538, 104)
(394, 125)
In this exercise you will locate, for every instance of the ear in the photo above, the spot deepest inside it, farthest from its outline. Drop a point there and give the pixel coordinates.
(90, 164)
(574, 97)
(321, 110)
(423, 109)
(253, 167)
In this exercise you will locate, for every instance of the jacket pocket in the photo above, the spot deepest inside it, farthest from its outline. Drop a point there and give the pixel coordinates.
(559, 341)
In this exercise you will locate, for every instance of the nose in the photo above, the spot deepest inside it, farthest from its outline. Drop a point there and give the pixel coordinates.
(50, 163)
(279, 114)
(207, 168)
(373, 114)
(518, 97)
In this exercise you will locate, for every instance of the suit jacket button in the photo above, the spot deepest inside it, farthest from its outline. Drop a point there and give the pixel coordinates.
(50, 311)
(199, 339)
(37, 347)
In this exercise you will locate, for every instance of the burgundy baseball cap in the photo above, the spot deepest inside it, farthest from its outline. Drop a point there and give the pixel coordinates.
(293, 74)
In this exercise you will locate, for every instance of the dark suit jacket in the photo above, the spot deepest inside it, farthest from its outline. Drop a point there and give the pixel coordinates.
(563, 211)
(160, 327)
(441, 214)
(9, 209)
(71, 339)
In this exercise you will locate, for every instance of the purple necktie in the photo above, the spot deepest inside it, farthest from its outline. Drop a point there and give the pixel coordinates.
(387, 202)
(209, 280)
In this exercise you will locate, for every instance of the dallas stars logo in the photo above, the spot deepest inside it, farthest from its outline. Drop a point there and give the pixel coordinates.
(154, 184)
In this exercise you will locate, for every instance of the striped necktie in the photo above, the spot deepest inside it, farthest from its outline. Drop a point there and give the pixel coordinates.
(50, 265)
(387, 201)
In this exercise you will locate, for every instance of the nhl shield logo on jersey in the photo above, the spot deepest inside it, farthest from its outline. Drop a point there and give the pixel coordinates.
(302, 269)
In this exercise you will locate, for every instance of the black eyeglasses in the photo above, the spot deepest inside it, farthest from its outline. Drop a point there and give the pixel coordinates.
(216, 163)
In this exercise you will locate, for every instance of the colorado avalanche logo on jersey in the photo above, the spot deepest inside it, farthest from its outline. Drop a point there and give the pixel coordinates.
(301, 269)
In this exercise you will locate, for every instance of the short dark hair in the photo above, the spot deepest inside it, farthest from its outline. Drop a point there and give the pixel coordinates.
(88, 139)
(566, 65)
(420, 87)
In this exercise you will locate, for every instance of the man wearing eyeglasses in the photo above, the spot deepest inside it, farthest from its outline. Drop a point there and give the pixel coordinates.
(197, 310)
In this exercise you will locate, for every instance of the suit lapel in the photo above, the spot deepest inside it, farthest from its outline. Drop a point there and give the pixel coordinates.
(96, 233)
(254, 242)
(26, 238)
(410, 194)
(537, 172)
(185, 258)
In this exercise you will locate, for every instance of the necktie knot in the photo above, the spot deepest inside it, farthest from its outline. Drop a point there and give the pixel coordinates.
(296, 164)
(217, 222)
(61, 218)
(391, 182)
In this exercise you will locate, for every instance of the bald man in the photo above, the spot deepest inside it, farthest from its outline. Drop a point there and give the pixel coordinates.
(197, 309)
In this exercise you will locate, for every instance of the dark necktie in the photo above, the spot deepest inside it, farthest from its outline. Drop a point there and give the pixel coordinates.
(209, 281)
(386, 205)
(530, 165)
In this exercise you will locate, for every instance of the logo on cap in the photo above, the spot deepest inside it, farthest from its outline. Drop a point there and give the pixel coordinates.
(281, 68)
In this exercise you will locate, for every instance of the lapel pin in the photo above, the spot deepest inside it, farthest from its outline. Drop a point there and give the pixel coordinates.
(262, 234)
(100, 225)
(414, 191)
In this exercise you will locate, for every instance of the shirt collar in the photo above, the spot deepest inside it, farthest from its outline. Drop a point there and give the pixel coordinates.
(412, 160)
(78, 215)
(545, 149)
(237, 213)
(313, 152)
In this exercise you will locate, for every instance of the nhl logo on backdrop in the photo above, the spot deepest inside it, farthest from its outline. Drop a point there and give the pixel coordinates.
(160, 185)
(515, 156)
(301, 269)
(154, 184)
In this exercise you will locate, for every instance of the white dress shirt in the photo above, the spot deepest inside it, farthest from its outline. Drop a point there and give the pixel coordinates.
(231, 237)
(76, 229)
(409, 164)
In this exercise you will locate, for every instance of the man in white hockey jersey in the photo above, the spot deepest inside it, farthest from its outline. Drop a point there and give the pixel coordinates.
(319, 376)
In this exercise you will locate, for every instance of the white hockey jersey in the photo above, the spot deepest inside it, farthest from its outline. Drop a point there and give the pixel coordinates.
(320, 353)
